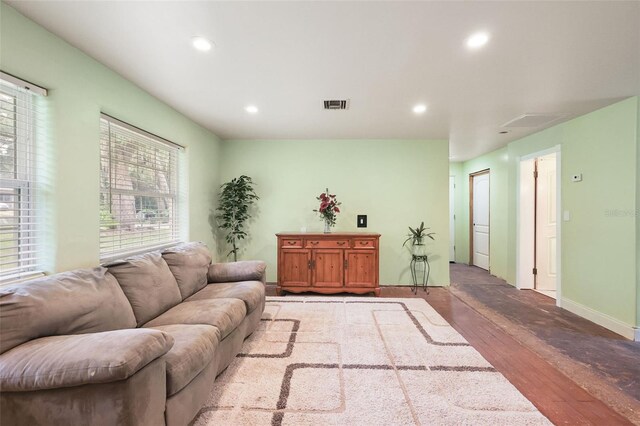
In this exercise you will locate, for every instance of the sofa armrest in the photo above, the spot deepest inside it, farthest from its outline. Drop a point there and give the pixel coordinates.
(247, 270)
(80, 359)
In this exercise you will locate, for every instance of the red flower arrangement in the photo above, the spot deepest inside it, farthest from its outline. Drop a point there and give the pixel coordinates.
(328, 207)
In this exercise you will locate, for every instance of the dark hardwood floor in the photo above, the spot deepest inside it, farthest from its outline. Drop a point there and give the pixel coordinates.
(570, 334)
(552, 392)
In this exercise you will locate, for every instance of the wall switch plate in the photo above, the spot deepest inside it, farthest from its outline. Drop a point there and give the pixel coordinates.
(362, 221)
(566, 216)
(576, 178)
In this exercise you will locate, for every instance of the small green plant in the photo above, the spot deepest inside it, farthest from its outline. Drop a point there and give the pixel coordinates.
(236, 198)
(416, 236)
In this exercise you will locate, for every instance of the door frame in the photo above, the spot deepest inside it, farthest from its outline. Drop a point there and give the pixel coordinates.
(486, 171)
(519, 232)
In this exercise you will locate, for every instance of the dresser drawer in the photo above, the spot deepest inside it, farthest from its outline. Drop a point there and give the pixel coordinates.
(311, 243)
(292, 243)
(364, 243)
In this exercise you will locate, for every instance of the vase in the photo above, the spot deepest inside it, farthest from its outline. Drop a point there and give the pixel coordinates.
(327, 227)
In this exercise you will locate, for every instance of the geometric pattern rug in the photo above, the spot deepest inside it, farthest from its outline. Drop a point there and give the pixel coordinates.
(361, 361)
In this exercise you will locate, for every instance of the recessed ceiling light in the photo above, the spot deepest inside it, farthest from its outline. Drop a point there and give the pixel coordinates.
(477, 40)
(420, 108)
(201, 44)
(251, 109)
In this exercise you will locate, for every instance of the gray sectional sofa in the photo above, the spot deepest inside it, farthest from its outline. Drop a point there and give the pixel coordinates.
(138, 342)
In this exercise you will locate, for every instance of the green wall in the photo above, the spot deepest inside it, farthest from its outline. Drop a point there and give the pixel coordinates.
(599, 242)
(396, 183)
(79, 89)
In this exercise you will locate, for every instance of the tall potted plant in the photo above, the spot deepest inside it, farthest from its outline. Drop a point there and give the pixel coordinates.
(417, 236)
(236, 198)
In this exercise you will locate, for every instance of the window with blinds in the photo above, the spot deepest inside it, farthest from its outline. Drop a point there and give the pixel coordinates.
(138, 190)
(21, 124)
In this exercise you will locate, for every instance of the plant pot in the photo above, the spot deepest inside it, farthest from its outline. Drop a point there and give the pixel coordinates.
(419, 250)
(327, 227)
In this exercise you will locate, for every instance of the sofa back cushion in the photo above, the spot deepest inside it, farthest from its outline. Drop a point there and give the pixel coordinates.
(148, 284)
(75, 302)
(189, 264)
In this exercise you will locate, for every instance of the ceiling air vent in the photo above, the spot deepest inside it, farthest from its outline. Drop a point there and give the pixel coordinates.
(532, 120)
(336, 104)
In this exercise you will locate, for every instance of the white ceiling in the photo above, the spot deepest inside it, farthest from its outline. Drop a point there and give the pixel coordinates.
(286, 57)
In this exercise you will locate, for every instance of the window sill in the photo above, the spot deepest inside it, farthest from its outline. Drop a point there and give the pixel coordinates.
(18, 278)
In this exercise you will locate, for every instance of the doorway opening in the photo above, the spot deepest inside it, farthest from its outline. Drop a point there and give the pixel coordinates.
(538, 248)
(479, 217)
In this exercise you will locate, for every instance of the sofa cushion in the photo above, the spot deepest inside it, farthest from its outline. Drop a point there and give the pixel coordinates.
(244, 270)
(148, 284)
(193, 349)
(224, 314)
(65, 361)
(80, 301)
(250, 292)
(189, 264)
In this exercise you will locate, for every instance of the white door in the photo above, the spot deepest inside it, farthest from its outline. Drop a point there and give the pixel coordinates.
(481, 221)
(546, 223)
(452, 220)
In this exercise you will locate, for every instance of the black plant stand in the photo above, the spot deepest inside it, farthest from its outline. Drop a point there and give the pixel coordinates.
(425, 273)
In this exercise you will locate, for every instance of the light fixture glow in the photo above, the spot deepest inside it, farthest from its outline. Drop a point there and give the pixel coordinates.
(477, 40)
(419, 109)
(201, 44)
(251, 109)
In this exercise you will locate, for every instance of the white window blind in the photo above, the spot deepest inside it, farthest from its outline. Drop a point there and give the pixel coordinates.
(138, 190)
(21, 215)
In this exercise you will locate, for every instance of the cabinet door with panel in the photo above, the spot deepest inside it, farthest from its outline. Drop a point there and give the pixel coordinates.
(294, 268)
(327, 267)
(360, 268)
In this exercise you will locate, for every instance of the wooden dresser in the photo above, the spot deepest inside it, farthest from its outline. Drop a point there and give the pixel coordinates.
(328, 263)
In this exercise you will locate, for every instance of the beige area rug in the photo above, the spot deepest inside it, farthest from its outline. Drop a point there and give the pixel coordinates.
(361, 361)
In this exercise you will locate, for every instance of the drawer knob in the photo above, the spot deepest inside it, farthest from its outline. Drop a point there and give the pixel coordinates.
(314, 243)
(364, 243)
(340, 243)
(291, 242)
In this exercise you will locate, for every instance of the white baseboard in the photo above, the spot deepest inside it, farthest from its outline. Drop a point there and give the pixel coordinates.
(615, 325)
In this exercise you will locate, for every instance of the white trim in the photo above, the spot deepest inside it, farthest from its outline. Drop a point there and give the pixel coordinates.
(33, 88)
(118, 257)
(559, 225)
(452, 217)
(599, 318)
(18, 278)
